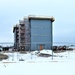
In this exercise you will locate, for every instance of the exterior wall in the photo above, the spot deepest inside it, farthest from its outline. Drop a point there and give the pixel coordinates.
(16, 37)
(21, 35)
(24, 34)
(27, 35)
(41, 34)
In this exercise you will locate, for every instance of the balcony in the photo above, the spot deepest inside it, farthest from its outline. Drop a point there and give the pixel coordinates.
(22, 27)
(22, 34)
(22, 37)
(22, 44)
(21, 22)
(22, 31)
(17, 30)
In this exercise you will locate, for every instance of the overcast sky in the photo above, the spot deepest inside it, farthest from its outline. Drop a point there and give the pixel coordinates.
(62, 10)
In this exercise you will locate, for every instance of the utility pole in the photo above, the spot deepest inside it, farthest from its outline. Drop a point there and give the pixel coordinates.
(52, 39)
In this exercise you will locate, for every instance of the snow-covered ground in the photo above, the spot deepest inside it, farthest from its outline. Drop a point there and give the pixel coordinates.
(62, 64)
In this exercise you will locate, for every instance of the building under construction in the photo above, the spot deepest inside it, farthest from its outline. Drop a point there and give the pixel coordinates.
(33, 33)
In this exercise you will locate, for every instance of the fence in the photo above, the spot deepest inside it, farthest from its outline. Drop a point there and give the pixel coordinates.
(60, 51)
(36, 46)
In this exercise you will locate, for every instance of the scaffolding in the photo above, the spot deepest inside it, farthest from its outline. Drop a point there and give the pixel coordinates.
(24, 34)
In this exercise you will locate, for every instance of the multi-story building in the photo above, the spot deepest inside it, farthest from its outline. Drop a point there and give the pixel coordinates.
(16, 36)
(35, 33)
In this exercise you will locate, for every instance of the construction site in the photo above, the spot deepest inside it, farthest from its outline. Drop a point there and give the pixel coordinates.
(33, 33)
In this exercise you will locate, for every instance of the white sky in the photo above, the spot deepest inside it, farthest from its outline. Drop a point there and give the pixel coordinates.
(62, 10)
